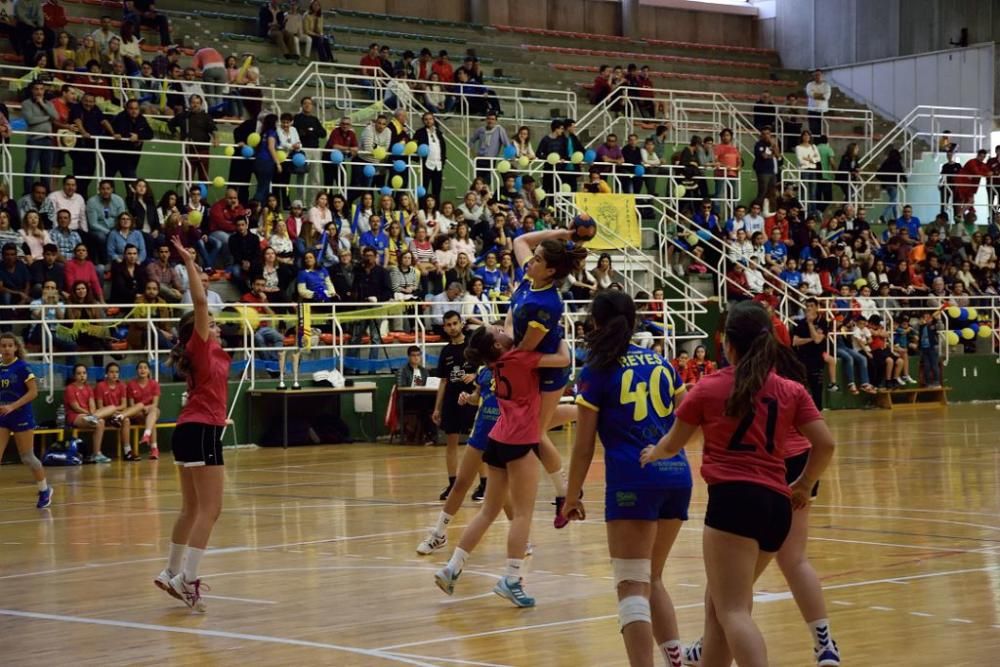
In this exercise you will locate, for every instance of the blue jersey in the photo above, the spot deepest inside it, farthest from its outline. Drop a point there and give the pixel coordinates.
(634, 402)
(489, 410)
(540, 309)
(14, 381)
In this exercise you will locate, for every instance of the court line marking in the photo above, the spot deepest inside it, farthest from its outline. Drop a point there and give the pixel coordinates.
(250, 600)
(222, 634)
(470, 597)
(451, 660)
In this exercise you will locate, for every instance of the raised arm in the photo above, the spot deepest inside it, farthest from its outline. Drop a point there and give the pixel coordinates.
(524, 245)
(199, 300)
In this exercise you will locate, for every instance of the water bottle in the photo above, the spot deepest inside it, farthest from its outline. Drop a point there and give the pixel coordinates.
(418, 378)
(184, 399)
(61, 416)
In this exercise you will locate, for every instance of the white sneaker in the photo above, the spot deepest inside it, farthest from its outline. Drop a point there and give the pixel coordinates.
(827, 656)
(162, 581)
(909, 380)
(189, 592)
(692, 654)
(432, 543)
(445, 579)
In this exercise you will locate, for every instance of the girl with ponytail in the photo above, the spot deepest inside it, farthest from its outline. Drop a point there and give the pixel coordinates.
(746, 412)
(627, 395)
(197, 440)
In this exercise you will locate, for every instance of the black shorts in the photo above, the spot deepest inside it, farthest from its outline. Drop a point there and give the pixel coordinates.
(196, 445)
(457, 418)
(750, 510)
(794, 465)
(498, 455)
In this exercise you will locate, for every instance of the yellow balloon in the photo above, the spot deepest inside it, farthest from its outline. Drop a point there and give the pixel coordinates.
(954, 312)
(860, 282)
(219, 182)
(552, 158)
(985, 331)
(282, 156)
(951, 337)
(253, 140)
(973, 315)
(692, 239)
(968, 334)
(378, 153)
(523, 162)
(540, 194)
(194, 218)
(249, 318)
(410, 148)
(396, 182)
(229, 151)
(503, 166)
(576, 158)
(680, 191)
(566, 187)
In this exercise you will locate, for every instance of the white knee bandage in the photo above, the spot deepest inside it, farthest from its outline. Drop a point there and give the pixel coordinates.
(633, 609)
(29, 459)
(631, 569)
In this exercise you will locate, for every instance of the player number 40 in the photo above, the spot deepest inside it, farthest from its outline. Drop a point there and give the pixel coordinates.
(642, 395)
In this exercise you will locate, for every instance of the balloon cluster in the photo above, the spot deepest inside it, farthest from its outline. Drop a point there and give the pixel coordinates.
(972, 328)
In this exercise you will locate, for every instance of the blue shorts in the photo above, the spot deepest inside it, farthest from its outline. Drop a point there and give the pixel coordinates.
(480, 435)
(18, 421)
(646, 504)
(553, 379)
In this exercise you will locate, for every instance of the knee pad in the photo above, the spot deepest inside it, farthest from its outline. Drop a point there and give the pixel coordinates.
(633, 609)
(29, 459)
(631, 569)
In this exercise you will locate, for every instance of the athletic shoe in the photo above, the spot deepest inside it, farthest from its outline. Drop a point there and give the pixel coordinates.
(117, 419)
(189, 592)
(560, 521)
(833, 387)
(162, 581)
(479, 493)
(692, 654)
(828, 656)
(99, 458)
(445, 579)
(44, 498)
(432, 543)
(900, 381)
(131, 456)
(909, 380)
(154, 454)
(91, 420)
(513, 591)
(528, 550)
(444, 494)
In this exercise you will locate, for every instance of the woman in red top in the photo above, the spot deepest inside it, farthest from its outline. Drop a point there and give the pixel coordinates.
(197, 440)
(112, 394)
(82, 412)
(511, 454)
(697, 367)
(746, 412)
(144, 393)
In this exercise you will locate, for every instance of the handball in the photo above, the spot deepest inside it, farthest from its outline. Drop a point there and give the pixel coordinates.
(584, 228)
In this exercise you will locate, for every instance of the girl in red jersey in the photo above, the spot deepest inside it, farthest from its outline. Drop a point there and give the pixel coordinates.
(511, 454)
(197, 440)
(144, 394)
(746, 412)
(112, 394)
(82, 412)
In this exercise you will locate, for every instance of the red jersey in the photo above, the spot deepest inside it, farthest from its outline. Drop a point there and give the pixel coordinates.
(515, 381)
(796, 444)
(208, 383)
(106, 395)
(752, 449)
(144, 394)
(80, 395)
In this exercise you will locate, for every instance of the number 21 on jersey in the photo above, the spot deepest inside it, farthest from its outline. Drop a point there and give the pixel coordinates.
(642, 395)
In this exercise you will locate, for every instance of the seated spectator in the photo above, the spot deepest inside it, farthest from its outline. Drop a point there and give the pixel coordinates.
(33, 235)
(215, 303)
(342, 276)
(123, 236)
(49, 268)
(143, 13)
(222, 217)
(49, 309)
(462, 273)
(376, 239)
(449, 300)
(162, 271)
(267, 340)
(80, 270)
(604, 273)
(294, 33)
(277, 275)
(82, 413)
(477, 307)
(103, 211)
(601, 87)
(151, 304)
(128, 278)
(313, 28)
(15, 279)
(244, 249)
(697, 367)
(313, 284)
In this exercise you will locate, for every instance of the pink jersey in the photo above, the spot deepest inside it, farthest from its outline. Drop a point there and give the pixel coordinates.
(145, 395)
(208, 383)
(796, 444)
(753, 449)
(515, 382)
(106, 395)
(80, 395)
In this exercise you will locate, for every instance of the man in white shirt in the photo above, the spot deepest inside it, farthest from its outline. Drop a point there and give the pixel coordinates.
(754, 221)
(818, 94)
(102, 36)
(375, 134)
(450, 299)
(67, 198)
(215, 303)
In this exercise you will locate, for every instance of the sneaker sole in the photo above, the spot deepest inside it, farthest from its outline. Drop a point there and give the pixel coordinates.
(168, 589)
(500, 592)
(447, 586)
(432, 549)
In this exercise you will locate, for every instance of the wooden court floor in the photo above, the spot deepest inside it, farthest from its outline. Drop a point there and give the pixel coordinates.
(313, 562)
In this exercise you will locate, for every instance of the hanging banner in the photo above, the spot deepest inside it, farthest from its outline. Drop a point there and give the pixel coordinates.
(617, 220)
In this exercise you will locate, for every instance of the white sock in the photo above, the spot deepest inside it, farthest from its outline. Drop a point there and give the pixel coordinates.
(42, 485)
(821, 631)
(127, 448)
(458, 558)
(442, 525)
(673, 651)
(191, 563)
(175, 559)
(558, 482)
(147, 433)
(514, 568)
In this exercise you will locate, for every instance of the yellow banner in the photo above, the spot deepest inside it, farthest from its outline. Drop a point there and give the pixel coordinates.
(617, 220)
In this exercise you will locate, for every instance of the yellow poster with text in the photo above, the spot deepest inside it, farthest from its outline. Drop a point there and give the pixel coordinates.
(617, 220)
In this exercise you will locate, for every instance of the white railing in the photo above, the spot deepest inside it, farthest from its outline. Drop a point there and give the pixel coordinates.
(930, 124)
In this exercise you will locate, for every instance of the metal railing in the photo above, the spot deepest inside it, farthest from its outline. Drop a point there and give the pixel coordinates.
(930, 124)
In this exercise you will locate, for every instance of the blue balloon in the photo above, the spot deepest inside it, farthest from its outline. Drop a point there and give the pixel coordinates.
(246, 152)
(204, 190)
(398, 166)
(398, 148)
(421, 192)
(299, 160)
(18, 124)
(704, 234)
(509, 152)
(518, 183)
(369, 171)
(974, 326)
(423, 150)
(590, 155)
(964, 314)
(336, 156)
(640, 170)
(386, 190)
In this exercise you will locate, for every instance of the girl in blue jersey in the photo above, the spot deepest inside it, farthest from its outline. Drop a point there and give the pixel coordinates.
(17, 390)
(534, 320)
(627, 395)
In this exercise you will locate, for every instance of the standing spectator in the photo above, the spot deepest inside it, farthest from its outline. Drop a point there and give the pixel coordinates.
(197, 128)
(968, 178)
(40, 116)
(311, 133)
(375, 135)
(729, 160)
(344, 139)
(294, 33)
(809, 342)
(930, 356)
(808, 158)
(371, 283)
(892, 174)
(948, 181)
(824, 186)
(214, 76)
(313, 27)
(143, 13)
(632, 157)
(437, 155)
(601, 87)
(792, 122)
(767, 155)
(103, 209)
(244, 249)
(289, 143)
(222, 218)
(818, 95)
(488, 143)
(129, 130)
(29, 17)
(765, 113)
(553, 142)
(609, 153)
(266, 164)
(372, 65)
(88, 122)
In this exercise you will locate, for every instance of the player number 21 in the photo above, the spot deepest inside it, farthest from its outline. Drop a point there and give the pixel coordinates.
(643, 395)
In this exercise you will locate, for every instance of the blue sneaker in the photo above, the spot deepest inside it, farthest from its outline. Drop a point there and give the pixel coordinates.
(828, 656)
(44, 498)
(445, 579)
(513, 591)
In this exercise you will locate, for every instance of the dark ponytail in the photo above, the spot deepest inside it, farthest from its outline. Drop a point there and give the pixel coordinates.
(482, 347)
(613, 314)
(178, 353)
(563, 258)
